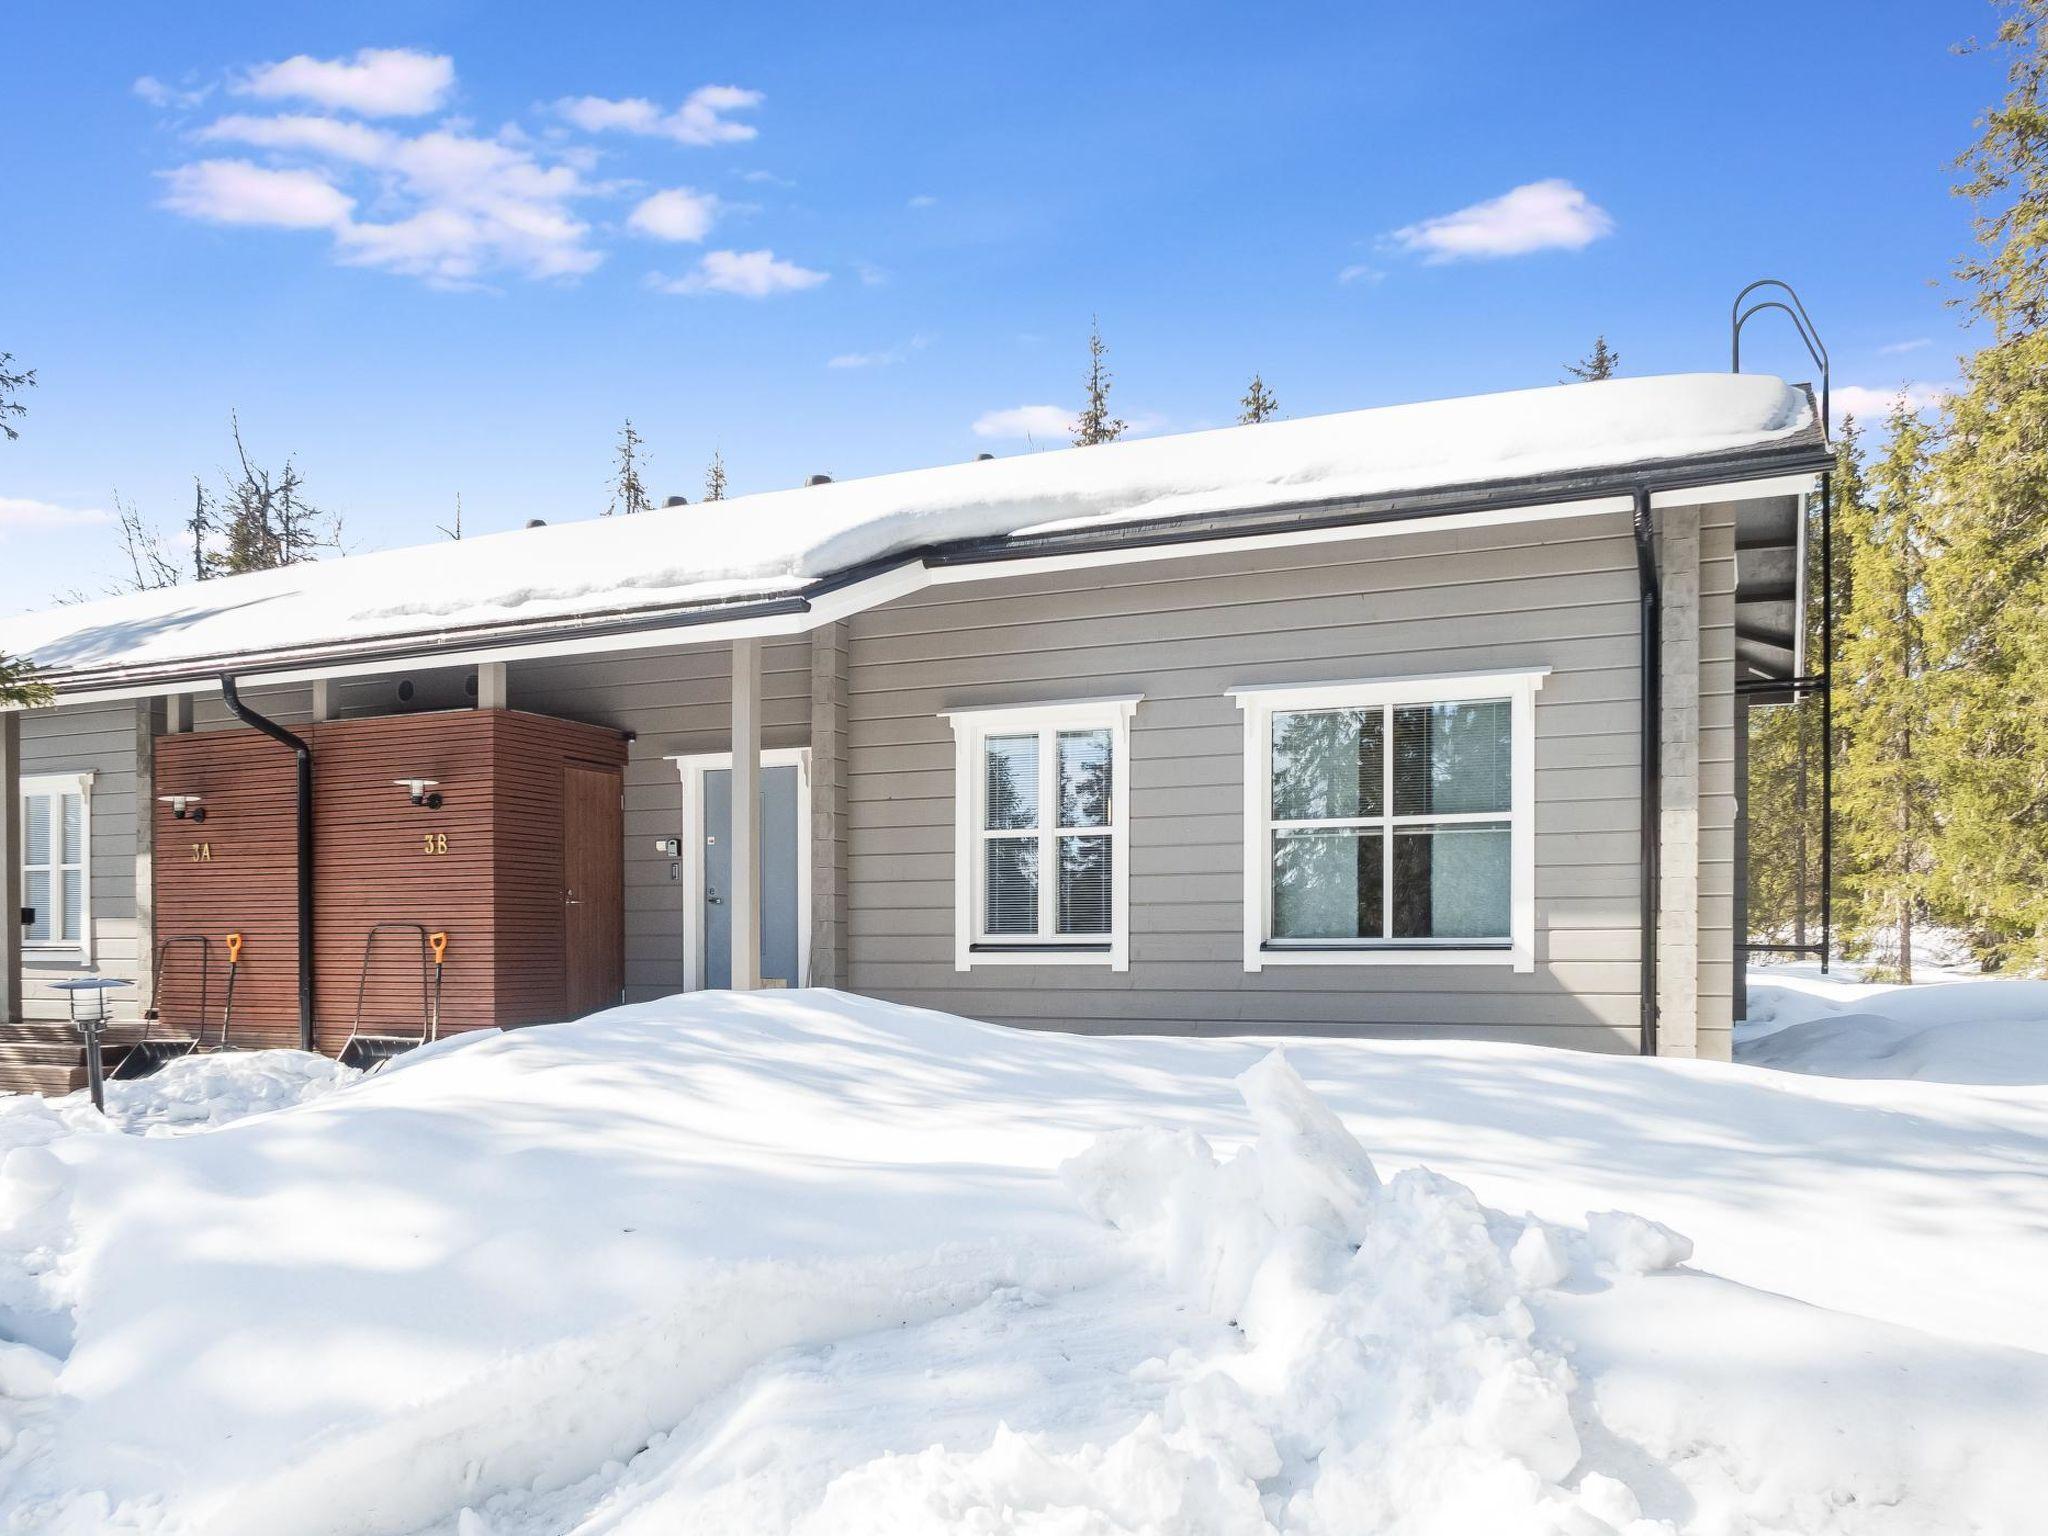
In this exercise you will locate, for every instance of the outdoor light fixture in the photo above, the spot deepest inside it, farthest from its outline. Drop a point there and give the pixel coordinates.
(421, 792)
(185, 807)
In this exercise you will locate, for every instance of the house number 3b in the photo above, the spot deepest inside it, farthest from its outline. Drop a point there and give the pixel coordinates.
(433, 842)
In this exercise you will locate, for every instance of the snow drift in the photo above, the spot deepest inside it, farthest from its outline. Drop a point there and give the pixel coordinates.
(811, 1262)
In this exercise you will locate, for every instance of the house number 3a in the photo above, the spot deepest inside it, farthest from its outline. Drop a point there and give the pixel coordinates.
(202, 853)
(433, 842)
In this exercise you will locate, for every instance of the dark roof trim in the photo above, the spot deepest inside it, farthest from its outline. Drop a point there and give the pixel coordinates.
(1802, 454)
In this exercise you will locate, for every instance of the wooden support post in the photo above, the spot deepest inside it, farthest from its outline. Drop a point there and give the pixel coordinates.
(745, 878)
(177, 712)
(491, 685)
(323, 699)
(10, 866)
(148, 718)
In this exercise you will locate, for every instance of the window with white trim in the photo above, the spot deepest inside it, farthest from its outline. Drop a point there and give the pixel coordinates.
(56, 863)
(1041, 799)
(1390, 821)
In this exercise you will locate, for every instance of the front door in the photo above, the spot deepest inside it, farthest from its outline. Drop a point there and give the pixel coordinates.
(779, 925)
(593, 889)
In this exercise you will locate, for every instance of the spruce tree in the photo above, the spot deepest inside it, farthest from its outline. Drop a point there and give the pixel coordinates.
(1885, 775)
(11, 386)
(714, 478)
(1598, 364)
(628, 494)
(1988, 590)
(1258, 403)
(264, 520)
(1095, 424)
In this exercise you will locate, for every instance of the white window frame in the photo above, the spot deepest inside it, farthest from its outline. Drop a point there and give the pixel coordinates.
(691, 768)
(1260, 703)
(971, 728)
(80, 947)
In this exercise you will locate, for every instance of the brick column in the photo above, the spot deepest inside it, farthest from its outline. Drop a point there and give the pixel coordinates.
(828, 806)
(1678, 896)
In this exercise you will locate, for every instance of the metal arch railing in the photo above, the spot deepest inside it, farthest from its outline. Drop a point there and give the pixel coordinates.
(1817, 680)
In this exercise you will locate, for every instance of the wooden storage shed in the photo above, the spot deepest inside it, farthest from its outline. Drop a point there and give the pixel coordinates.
(520, 864)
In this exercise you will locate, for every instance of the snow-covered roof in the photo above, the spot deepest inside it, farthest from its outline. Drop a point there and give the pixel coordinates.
(786, 543)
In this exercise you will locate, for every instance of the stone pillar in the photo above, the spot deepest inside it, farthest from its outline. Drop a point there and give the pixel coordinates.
(745, 878)
(1678, 896)
(828, 806)
(10, 866)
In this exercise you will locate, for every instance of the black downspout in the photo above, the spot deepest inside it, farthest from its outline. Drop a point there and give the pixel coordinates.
(304, 754)
(1649, 585)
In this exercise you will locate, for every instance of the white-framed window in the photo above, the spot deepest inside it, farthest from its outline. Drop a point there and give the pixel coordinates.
(56, 864)
(1041, 797)
(1391, 822)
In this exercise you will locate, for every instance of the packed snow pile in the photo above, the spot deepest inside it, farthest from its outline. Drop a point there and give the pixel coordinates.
(1986, 1032)
(811, 1263)
(781, 542)
(188, 1093)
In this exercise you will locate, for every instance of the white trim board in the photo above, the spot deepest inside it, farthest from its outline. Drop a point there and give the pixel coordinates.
(690, 767)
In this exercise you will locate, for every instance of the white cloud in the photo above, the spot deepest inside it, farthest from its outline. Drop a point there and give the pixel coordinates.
(1872, 406)
(923, 200)
(676, 214)
(1541, 216)
(1020, 421)
(21, 512)
(237, 192)
(1359, 272)
(886, 358)
(701, 119)
(766, 178)
(377, 82)
(158, 94)
(1893, 349)
(750, 274)
(453, 206)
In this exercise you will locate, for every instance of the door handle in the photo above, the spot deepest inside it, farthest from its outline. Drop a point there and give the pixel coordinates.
(569, 899)
(715, 901)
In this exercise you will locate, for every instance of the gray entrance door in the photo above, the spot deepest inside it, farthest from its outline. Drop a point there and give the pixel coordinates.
(780, 927)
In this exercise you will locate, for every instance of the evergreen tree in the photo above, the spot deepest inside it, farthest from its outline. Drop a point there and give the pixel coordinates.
(264, 520)
(1258, 402)
(1598, 364)
(19, 684)
(714, 478)
(452, 530)
(199, 525)
(1988, 590)
(1095, 424)
(11, 386)
(1885, 775)
(628, 494)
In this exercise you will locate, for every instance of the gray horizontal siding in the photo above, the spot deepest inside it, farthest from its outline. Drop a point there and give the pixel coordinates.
(1182, 632)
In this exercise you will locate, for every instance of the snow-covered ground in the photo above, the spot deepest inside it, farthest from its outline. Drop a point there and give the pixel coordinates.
(804, 1262)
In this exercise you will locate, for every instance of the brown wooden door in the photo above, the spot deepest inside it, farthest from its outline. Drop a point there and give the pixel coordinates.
(593, 889)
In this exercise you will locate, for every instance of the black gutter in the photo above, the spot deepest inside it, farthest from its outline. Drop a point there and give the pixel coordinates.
(1208, 527)
(1650, 587)
(304, 754)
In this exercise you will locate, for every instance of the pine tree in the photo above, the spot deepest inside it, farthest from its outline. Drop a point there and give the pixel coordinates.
(628, 494)
(264, 520)
(11, 385)
(1596, 365)
(1258, 403)
(714, 478)
(1885, 774)
(1988, 590)
(1095, 424)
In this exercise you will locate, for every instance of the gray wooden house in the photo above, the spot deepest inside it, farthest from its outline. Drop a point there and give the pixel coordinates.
(1413, 721)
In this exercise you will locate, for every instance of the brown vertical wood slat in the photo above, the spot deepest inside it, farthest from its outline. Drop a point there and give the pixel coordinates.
(486, 868)
(593, 854)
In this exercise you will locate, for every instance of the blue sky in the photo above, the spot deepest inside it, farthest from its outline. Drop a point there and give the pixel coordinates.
(444, 248)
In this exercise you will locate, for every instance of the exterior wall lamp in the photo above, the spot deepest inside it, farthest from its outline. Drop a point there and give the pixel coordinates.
(185, 807)
(421, 792)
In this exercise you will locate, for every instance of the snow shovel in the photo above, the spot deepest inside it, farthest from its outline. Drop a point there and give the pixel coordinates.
(368, 1049)
(153, 1050)
(227, 1009)
(438, 942)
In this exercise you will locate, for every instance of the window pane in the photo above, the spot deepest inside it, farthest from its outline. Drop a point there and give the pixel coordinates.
(74, 807)
(1012, 781)
(1327, 765)
(35, 823)
(1084, 778)
(74, 905)
(1326, 885)
(35, 892)
(1011, 891)
(1451, 882)
(1450, 758)
(1084, 884)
